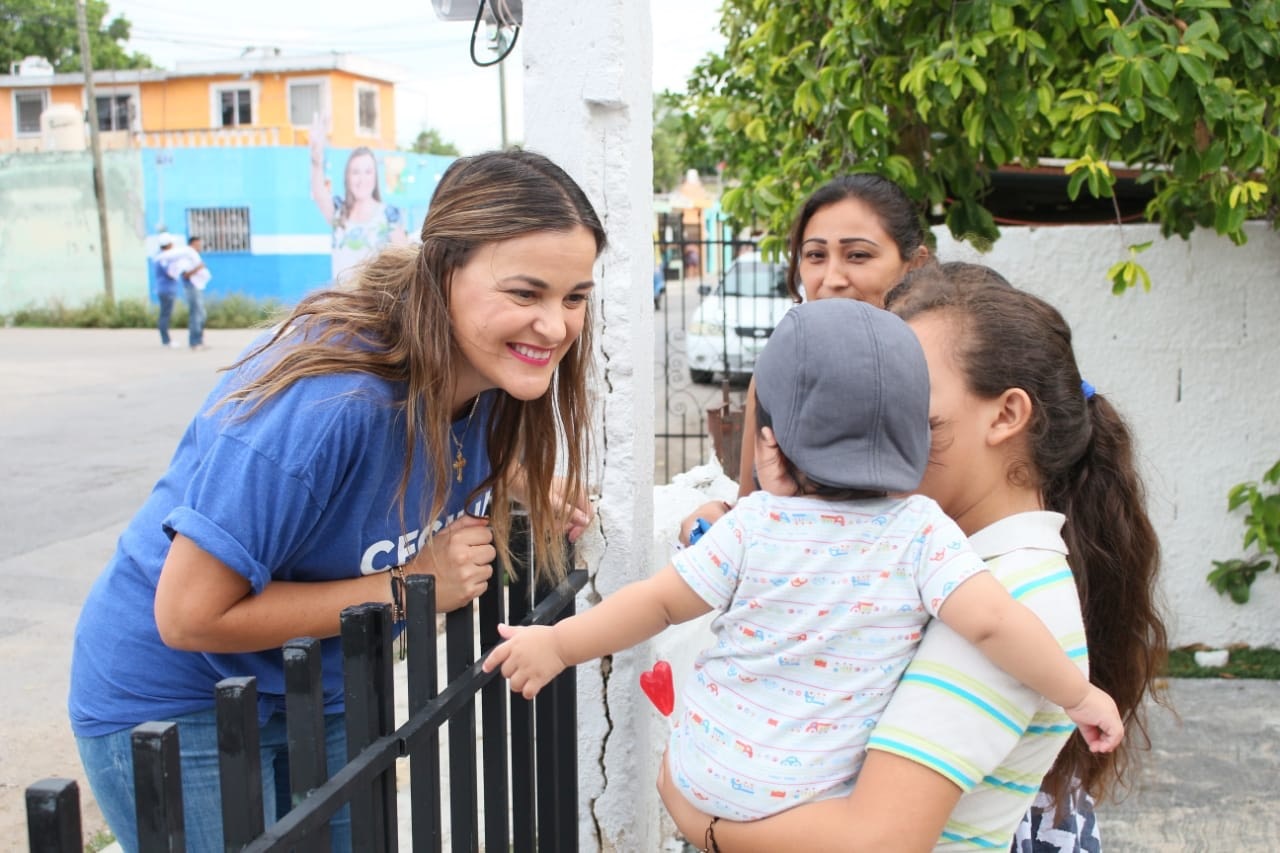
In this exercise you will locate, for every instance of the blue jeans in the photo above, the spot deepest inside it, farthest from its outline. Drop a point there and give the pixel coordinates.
(166, 311)
(195, 309)
(108, 764)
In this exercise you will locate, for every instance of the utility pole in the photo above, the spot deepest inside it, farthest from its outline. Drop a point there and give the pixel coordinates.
(502, 103)
(99, 184)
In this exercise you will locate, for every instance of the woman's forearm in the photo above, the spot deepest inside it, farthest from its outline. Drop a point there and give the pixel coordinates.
(203, 605)
(896, 805)
(746, 465)
(827, 826)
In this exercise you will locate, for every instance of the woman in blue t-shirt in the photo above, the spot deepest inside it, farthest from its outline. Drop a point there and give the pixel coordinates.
(378, 427)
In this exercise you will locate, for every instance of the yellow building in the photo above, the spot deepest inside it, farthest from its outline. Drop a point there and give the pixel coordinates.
(260, 99)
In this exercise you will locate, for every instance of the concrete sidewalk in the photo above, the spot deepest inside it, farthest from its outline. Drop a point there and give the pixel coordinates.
(88, 423)
(1212, 779)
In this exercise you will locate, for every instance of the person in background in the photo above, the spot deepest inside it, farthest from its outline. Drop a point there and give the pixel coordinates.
(165, 283)
(1037, 468)
(692, 261)
(362, 223)
(823, 581)
(188, 265)
(383, 429)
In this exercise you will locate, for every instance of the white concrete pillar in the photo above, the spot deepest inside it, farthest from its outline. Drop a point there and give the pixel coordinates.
(588, 106)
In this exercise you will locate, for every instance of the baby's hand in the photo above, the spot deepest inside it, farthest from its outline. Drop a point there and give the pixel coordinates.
(1098, 720)
(528, 658)
(708, 512)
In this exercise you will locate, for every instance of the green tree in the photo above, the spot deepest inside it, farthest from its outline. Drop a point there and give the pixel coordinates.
(680, 142)
(937, 95)
(668, 166)
(47, 28)
(429, 141)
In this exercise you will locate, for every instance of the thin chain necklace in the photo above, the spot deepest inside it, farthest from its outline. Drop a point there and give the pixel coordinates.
(460, 461)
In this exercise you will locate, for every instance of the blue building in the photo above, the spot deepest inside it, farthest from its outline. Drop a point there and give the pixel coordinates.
(263, 234)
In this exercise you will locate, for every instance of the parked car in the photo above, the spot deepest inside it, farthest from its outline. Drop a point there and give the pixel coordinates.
(730, 327)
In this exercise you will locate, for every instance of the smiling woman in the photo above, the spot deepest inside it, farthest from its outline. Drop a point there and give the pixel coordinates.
(517, 307)
(388, 423)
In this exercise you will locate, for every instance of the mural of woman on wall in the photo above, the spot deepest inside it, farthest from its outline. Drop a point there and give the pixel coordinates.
(362, 223)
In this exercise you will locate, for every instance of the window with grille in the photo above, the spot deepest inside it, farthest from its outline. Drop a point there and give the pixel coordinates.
(115, 112)
(236, 107)
(29, 106)
(367, 110)
(304, 103)
(223, 229)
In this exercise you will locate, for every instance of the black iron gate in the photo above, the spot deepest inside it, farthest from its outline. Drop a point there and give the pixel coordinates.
(533, 807)
(715, 304)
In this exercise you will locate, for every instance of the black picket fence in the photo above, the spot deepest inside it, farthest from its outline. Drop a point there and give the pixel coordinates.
(714, 305)
(524, 779)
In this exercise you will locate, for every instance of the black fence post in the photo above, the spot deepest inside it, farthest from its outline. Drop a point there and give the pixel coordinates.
(370, 710)
(239, 761)
(493, 710)
(464, 824)
(424, 686)
(524, 819)
(53, 817)
(555, 715)
(304, 723)
(157, 787)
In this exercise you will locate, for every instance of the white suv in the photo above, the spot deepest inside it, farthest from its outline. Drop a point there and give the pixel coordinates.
(735, 319)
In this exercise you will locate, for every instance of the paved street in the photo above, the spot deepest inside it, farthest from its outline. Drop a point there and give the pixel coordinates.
(88, 422)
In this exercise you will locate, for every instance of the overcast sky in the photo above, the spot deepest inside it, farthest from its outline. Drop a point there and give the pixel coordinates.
(440, 88)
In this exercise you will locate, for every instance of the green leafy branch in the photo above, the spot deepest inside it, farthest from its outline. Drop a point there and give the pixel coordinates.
(939, 95)
(1235, 577)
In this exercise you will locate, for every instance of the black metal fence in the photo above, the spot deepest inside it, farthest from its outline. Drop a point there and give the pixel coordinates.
(698, 406)
(524, 778)
(699, 371)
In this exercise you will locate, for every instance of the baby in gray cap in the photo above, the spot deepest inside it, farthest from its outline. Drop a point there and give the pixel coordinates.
(823, 579)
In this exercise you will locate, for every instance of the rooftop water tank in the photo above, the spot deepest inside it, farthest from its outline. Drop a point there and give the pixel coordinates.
(62, 128)
(32, 66)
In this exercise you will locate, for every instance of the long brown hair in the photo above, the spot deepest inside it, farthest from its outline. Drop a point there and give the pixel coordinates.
(393, 322)
(1082, 462)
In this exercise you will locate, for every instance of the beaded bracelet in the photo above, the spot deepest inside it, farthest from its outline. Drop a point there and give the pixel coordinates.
(397, 594)
(709, 840)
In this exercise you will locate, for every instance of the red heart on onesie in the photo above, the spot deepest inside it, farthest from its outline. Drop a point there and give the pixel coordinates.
(656, 684)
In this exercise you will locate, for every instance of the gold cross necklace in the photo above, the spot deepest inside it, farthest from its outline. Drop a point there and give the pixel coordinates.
(460, 461)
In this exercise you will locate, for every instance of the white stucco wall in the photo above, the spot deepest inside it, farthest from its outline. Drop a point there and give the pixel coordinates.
(1193, 366)
(588, 105)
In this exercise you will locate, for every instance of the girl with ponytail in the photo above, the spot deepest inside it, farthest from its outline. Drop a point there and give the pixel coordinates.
(1077, 452)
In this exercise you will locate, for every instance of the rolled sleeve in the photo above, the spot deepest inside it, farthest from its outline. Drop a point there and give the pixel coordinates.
(212, 513)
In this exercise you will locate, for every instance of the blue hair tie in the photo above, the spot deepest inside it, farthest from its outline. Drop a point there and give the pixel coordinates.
(1087, 389)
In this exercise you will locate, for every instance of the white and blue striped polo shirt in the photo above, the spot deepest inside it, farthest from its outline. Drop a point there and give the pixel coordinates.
(961, 715)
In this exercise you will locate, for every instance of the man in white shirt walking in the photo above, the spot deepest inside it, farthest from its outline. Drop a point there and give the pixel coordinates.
(189, 266)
